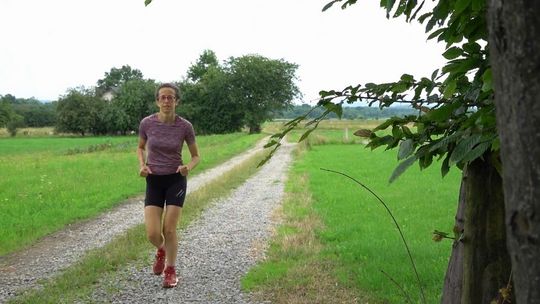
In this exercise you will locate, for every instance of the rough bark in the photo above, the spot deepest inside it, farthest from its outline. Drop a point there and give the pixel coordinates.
(486, 263)
(514, 39)
(479, 265)
(454, 273)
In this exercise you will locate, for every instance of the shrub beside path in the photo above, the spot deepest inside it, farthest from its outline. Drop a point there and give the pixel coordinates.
(56, 252)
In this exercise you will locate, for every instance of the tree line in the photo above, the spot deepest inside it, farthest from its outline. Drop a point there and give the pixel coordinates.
(240, 92)
(354, 112)
(20, 112)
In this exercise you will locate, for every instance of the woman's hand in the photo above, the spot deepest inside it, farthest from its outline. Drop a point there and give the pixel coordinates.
(184, 170)
(144, 171)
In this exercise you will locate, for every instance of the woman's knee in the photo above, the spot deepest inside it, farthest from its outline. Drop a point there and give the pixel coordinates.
(169, 232)
(154, 236)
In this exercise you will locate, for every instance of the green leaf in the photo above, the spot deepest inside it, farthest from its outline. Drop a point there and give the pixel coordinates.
(443, 142)
(406, 131)
(496, 144)
(425, 161)
(434, 74)
(450, 89)
(401, 8)
(452, 53)
(477, 5)
(472, 47)
(384, 125)
(443, 113)
(396, 132)
(417, 10)
(406, 147)
(329, 5)
(486, 80)
(147, 2)
(400, 87)
(477, 151)
(422, 18)
(270, 143)
(363, 133)
(332, 107)
(460, 6)
(402, 167)
(436, 33)
(306, 134)
(445, 168)
(389, 6)
(407, 78)
(463, 147)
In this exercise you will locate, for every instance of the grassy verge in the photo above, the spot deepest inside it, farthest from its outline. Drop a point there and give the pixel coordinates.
(356, 238)
(18, 146)
(293, 272)
(78, 282)
(45, 190)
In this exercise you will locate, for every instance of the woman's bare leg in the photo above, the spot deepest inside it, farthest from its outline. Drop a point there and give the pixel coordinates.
(152, 221)
(172, 215)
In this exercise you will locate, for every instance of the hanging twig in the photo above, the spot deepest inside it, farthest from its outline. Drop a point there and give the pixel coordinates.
(397, 226)
(409, 300)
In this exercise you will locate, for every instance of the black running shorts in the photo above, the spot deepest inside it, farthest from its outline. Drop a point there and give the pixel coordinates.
(165, 189)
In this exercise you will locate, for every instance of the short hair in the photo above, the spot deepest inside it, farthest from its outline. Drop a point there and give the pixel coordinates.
(170, 86)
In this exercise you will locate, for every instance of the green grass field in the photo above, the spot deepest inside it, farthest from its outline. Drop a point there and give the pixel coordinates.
(334, 242)
(43, 187)
(357, 237)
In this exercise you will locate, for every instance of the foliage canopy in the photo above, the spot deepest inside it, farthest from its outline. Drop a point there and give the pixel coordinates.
(456, 116)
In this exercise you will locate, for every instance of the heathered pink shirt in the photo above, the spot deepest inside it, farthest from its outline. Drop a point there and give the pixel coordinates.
(164, 143)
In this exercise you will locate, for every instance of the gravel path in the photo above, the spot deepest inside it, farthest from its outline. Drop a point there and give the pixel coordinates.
(60, 250)
(216, 250)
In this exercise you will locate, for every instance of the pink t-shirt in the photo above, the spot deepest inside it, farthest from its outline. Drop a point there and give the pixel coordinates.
(164, 143)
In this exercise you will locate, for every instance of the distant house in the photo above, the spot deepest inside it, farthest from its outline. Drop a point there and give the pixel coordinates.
(109, 94)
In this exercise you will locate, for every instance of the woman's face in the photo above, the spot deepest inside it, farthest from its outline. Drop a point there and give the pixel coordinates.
(166, 100)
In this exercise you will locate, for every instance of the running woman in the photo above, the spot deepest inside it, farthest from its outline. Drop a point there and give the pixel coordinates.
(161, 137)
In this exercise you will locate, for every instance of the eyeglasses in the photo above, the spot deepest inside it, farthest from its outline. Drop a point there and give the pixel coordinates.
(164, 98)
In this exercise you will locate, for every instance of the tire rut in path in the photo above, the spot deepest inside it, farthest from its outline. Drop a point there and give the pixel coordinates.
(217, 249)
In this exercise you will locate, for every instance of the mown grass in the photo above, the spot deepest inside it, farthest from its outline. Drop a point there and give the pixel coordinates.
(43, 191)
(99, 267)
(356, 239)
(328, 131)
(293, 272)
(18, 146)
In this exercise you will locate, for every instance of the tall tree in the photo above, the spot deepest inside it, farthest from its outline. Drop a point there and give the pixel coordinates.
(209, 105)
(262, 86)
(116, 77)
(515, 56)
(136, 98)
(5, 112)
(74, 111)
(115, 119)
(206, 61)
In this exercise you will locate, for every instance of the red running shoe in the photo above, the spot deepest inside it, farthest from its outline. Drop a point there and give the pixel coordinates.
(159, 264)
(170, 279)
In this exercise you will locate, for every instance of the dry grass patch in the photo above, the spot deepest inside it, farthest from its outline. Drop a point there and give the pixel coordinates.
(292, 272)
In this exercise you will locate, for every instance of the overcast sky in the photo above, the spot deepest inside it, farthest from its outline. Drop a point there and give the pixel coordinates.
(49, 46)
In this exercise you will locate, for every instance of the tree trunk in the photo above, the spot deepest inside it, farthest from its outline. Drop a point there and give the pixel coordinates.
(254, 128)
(480, 264)
(454, 273)
(514, 39)
(486, 263)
